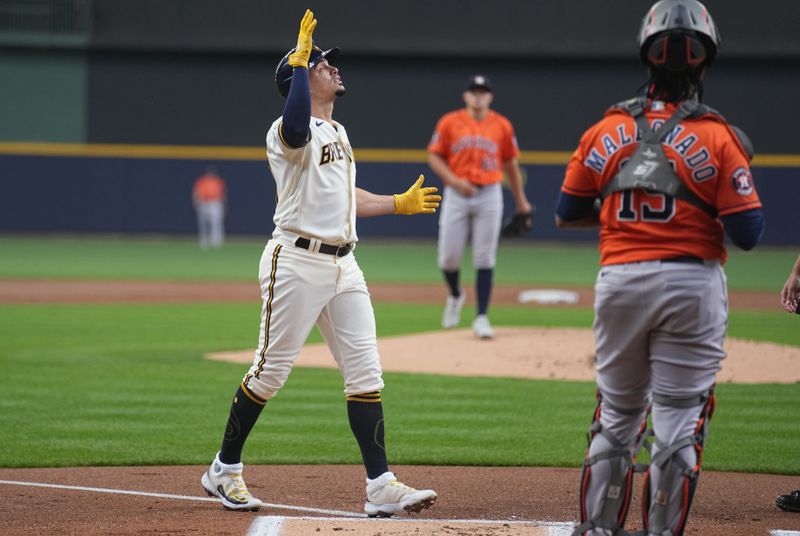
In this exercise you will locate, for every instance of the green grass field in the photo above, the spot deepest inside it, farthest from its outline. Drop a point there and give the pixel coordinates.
(127, 384)
(381, 260)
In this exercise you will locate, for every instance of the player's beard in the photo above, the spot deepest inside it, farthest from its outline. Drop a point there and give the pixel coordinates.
(340, 92)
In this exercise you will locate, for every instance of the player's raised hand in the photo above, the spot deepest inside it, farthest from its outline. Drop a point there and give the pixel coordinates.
(299, 58)
(417, 200)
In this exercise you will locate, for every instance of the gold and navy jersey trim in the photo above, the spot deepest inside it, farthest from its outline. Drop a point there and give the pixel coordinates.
(271, 292)
(250, 394)
(283, 140)
(286, 143)
(373, 396)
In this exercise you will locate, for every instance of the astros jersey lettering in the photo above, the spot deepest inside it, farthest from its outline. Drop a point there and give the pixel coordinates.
(315, 184)
(475, 150)
(637, 226)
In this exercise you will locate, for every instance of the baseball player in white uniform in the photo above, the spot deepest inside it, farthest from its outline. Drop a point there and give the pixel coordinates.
(309, 276)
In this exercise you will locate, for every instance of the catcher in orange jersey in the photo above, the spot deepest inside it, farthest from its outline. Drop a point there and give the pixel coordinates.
(470, 150)
(664, 176)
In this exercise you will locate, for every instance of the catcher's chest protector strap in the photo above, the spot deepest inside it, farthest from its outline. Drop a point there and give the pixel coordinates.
(648, 167)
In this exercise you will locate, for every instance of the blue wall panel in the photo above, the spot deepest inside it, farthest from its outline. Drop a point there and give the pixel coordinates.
(134, 195)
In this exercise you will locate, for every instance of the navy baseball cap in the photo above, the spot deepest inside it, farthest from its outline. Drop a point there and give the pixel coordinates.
(478, 81)
(284, 71)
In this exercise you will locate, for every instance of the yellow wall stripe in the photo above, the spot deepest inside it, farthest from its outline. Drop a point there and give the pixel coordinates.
(414, 156)
(777, 160)
(134, 151)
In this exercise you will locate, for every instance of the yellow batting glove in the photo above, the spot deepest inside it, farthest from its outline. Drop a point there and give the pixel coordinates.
(299, 58)
(417, 200)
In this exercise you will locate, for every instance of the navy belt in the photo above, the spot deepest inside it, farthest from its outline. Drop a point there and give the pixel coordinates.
(329, 249)
(685, 259)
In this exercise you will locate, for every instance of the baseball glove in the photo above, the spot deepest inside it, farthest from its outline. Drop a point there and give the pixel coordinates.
(518, 224)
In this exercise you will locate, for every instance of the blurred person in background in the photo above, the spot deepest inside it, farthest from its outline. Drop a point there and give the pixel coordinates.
(209, 196)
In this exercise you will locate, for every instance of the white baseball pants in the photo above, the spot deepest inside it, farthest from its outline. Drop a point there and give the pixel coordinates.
(300, 288)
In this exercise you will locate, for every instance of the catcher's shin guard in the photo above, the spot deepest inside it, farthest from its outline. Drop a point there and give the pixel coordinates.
(666, 510)
(607, 476)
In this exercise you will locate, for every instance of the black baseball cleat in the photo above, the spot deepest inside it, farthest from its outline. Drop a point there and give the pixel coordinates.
(789, 503)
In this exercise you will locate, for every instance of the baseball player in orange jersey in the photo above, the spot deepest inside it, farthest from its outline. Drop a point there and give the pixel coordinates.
(470, 150)
(209, 199)
(671, 175)
(309, 276)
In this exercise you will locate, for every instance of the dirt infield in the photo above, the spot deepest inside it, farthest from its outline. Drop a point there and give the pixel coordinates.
(727, 504)
(76, 291)
(169, 500)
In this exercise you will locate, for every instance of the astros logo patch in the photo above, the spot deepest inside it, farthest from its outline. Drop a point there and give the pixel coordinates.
(742, 181)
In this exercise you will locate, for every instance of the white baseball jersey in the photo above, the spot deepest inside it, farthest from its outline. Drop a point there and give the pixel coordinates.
(315, 184)
(301, 287)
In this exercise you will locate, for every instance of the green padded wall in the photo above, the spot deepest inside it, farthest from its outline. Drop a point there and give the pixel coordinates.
(42, 95)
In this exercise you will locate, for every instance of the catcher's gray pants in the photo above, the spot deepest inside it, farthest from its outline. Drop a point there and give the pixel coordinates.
(659, 328)
(480, 217)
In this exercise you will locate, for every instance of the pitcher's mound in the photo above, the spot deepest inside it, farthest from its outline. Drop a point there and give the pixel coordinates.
(543, 353)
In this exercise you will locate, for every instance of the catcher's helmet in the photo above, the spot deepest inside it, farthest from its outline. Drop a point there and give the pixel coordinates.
(678, 35)
(284, 71)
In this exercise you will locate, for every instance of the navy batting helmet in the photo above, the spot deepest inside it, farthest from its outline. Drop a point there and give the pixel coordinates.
(678, 35)
(284, 71)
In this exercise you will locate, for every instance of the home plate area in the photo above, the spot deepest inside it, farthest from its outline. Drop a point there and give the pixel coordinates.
(289, 526)
(286, 526)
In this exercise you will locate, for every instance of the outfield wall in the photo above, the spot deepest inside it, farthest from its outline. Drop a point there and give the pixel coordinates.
(114, 194)
(155, 72)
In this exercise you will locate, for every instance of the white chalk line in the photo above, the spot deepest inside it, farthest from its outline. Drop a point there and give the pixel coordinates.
(178, 497)
(267, 526)
(273, 523)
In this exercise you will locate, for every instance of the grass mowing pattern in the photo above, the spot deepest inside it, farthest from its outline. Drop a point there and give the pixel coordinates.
(82, 258)
(412, 262)
(120, 385)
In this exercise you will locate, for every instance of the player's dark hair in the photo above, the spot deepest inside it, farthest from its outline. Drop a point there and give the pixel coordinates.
(674, 86)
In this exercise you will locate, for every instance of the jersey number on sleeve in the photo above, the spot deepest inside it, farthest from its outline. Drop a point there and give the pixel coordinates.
(653, 207)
